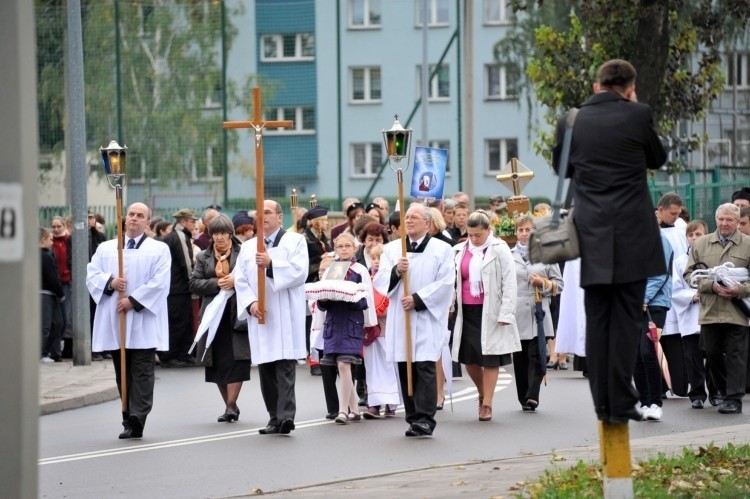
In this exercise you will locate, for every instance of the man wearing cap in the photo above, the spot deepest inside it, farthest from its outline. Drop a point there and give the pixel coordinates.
(280, 341)
(244, 225)
(179, 301)
(741, 198)
(203, 240)
(338, 229)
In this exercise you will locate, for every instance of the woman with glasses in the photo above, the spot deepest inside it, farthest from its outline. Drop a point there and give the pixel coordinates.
(485, 334)
(227, 359)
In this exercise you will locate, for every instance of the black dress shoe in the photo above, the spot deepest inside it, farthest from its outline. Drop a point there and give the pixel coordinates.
(730, 407)
(286, 426)
(697, 404)
(633, 413)
(419, 429)
(331, 415)
(271, 429)
(715, 400)
(130, 433)
(315, 371)
(224, 418)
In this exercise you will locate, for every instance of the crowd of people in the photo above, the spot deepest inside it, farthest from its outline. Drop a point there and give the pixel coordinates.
(383, 312)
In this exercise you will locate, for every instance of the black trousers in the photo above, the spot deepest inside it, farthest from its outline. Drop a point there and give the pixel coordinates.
(647, 372)
(139, 365)
(526, 371)
(695, 367)
(613, 325)
(328, 375)
(277, 387)
(420, 407)
(674, 351)
(180, 311)
(727, 342)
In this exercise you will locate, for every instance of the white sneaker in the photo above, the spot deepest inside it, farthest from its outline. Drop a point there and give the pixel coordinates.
(47, 360)
(653, 413)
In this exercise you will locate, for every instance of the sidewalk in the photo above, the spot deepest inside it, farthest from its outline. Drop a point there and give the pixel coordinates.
(63, 387)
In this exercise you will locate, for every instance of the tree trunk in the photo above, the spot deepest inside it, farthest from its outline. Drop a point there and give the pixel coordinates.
(650, 51)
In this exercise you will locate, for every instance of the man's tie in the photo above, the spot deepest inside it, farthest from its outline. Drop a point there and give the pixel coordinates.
(413, 246)
(268, 242)
(131, 243)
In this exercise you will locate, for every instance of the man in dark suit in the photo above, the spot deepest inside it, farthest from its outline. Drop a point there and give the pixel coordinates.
(614, 144)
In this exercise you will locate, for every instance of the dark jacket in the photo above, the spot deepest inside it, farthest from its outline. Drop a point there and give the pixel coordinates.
(95, 239)
(315, 250)
(50, 276)
(204, 283)
(180, 274)
(614, 145)
(344, 326)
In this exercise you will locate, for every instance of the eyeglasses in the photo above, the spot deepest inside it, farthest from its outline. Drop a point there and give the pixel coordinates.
(344, 246)
(413, 217)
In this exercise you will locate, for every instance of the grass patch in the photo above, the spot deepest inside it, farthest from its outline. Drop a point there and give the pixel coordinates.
(707, 472)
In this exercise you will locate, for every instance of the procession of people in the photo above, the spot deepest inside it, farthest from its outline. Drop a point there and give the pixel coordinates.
(655, 304)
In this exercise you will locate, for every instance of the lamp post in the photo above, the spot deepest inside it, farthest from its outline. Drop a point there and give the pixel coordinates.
(114, 160)
(398, 147)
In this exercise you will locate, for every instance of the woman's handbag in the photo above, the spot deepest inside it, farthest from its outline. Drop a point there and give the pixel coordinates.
(554, 238)
(372, 333)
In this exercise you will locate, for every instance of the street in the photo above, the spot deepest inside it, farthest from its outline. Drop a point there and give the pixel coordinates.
(186, 453)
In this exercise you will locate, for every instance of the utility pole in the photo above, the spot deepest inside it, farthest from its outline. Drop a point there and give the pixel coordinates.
(19, 252)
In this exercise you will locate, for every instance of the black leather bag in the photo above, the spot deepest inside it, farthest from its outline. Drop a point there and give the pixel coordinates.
(554, 238)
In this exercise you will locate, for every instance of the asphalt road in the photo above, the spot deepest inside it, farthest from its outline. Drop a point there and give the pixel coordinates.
(186, 453)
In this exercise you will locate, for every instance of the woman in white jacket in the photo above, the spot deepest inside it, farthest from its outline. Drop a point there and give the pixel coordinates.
(528, 365)
(485, 334)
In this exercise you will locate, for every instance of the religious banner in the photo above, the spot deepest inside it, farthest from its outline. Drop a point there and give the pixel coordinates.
(428, 177)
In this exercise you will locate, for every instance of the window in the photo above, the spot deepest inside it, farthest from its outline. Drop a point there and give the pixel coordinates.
(495, 12)
(302, 116)
(439, 88)
(737, 70)
(498, 153)
(442, 144)
(365, 85)
(501, 81)
(366, 159)
(364, 14)
(287, 47)
(437, 13)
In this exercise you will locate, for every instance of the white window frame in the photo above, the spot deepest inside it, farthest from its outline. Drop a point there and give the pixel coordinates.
(443, 144)
(433, 10)
(743, 61)
(501, 9)
(277, 113)
(367, 82)
(504, 157)
(434, 87)
(278, 40)
(371, 169)
(367, 8)
(502, 75)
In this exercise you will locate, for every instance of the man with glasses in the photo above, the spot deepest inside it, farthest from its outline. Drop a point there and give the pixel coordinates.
(280, 341)
(430, 267)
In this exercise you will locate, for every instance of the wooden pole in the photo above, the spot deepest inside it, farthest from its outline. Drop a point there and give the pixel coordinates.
(405, 279)
(293, 202)
(123, 324)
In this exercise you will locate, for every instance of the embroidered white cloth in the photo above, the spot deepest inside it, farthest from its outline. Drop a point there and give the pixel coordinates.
(725, 274)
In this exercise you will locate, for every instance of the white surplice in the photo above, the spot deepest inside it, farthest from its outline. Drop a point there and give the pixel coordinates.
(431, 276)
(147, 270)
(678, 240)
(283, 334)
(686, 311)
(571, 326)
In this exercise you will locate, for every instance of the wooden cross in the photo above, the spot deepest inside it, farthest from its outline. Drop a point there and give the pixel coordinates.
(258, 125)
(513, 174)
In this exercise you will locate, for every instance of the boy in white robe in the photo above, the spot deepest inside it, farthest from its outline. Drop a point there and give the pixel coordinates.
(431, 278)
(277, 344)
(145, 284)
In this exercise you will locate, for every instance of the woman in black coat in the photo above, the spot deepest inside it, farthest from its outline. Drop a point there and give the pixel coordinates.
(227, 359)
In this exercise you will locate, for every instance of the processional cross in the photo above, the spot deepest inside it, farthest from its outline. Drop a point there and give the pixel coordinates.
(515, 176)
(258, 124)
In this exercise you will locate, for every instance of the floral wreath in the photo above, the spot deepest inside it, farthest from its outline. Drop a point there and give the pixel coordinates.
(505, 225)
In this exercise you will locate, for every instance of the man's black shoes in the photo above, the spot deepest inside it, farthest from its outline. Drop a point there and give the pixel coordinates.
(697, 404)
(133, 428)
(419, 429)
(730, 407)
(271, 429)
(286, 426)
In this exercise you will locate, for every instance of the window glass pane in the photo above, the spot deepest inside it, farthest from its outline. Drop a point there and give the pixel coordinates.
(512, 79)
(290, 42)
(375, 92)
(493, 155)
(308, 118)
(442, 12)
(493, 81)
(358, 156)
(307, 41)
(492, 10)
(511, 149)
(288, 113)
(377, 157)
(375, 12)
(358, 84)
(269, 47)
(357, 12)
(443, 84)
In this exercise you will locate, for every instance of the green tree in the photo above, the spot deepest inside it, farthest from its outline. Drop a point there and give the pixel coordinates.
(675, 45)
(169, 66)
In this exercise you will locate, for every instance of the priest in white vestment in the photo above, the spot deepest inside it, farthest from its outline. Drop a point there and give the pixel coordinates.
(145, 283)
(276, 345)
(431, 277)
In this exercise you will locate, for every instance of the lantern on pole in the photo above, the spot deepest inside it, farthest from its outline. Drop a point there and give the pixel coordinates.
(398, 147)
(114, 161)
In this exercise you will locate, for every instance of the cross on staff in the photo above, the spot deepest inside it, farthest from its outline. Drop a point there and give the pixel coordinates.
(258, 124)
(514, 176)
